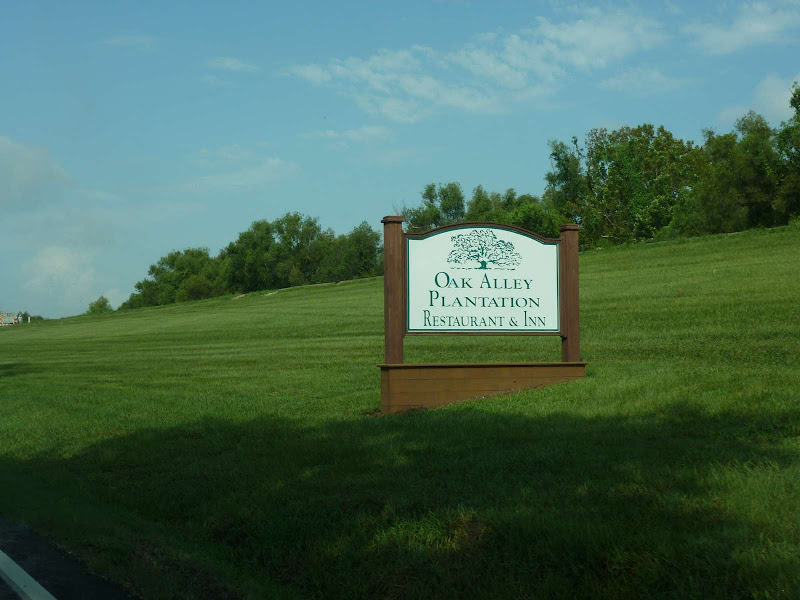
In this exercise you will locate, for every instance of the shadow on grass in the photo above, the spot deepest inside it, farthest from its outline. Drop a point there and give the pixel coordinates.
(459, 503)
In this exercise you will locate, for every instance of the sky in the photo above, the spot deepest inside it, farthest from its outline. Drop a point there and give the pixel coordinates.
(128, 130)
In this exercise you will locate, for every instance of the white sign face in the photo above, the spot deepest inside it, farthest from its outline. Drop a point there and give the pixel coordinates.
(482, 279)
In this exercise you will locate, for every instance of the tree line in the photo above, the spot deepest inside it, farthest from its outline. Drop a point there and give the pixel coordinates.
(289, 251)
(642, 183)
(625, 185)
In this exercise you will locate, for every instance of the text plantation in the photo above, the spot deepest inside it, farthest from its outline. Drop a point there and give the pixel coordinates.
(481, 301)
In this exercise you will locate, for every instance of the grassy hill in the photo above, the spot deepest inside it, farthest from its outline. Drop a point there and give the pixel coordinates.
(229, 448)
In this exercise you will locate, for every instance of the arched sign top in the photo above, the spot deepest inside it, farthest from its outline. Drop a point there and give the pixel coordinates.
(482, 278)
(519, 230)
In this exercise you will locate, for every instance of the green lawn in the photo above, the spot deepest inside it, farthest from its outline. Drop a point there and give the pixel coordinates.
(230, 448)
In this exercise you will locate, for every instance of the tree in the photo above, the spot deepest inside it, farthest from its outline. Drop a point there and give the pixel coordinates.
(483, 247)
(441, 205)
(787, 203)
(362, 251)
(194, 287)
(291, 250)
(356, 254)
(181, 275)
(566, 181)
(759, 169)
(526, 211)
(493, 207)
(536, 215)
(623, 185)
(738, 181)
(244, 262)
(297, 250)
(99, 306)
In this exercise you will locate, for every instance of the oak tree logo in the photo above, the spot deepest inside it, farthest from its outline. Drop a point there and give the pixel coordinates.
(483, 247)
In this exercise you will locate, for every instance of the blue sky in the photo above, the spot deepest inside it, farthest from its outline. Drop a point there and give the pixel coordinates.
(130, 130)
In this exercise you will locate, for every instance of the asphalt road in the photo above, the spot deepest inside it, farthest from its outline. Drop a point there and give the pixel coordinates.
(55, 571)
(6, 593)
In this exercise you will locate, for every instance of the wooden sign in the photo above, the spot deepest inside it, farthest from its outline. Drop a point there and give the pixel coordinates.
(476, 279)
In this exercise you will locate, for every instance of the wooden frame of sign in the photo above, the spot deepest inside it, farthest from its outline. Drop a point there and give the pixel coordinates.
(467, 270)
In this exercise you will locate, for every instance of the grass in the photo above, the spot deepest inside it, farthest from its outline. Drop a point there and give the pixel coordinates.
(227, 448)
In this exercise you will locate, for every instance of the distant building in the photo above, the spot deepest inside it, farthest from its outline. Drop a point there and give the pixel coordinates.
(8, 319)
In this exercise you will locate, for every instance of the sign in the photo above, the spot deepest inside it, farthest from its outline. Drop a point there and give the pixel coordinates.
(482, 278)
(471, 279)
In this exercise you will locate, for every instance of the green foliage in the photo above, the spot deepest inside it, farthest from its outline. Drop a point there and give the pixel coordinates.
(524, 211)
(194, 287)
(537, 216)
(623, 186)
(626, 185)
(225, 449)
(637, 184)
(245, 263)
(289, 251)
(634, 184)
(358, 254)
(441, 205)
(100, 306)
(566, 181)
(788, 147)
(25, 315)
(745, 178)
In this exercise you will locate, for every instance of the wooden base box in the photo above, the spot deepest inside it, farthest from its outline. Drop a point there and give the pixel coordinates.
(408, 387)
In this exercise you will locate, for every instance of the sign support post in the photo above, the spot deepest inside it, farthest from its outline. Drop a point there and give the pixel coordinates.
(393, 289)
(568, 263)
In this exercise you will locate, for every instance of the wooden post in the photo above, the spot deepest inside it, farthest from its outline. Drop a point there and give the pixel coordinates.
(568, 267)
(393, 289)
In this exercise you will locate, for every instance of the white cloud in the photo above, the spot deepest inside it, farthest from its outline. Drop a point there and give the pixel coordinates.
(61, 272)
(29, 176)
(138, 42)
(488, 75)
(58, 230)
(488, 36)
(772, 95)
(115, 297)
(248, 177)
(228, 157)
(395, 156)
(730, 114)
(488, 65)
(755, 23)
(600, 38)
(770, 98)
(642, 81)
(316, 74)
(234, 152)
(227, 63)
(213, 80)
(365, 133)
(99, 196)
(403, 110)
